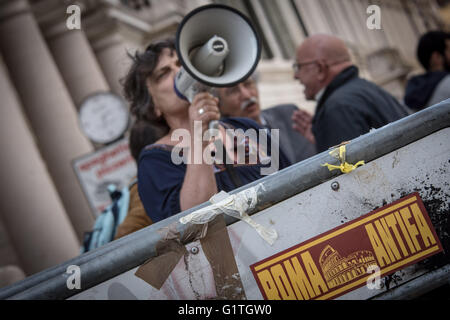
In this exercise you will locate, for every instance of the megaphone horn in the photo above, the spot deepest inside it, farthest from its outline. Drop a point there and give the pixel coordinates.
(217, 46)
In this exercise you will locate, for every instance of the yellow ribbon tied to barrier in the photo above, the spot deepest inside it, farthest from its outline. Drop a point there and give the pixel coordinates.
(345, 167)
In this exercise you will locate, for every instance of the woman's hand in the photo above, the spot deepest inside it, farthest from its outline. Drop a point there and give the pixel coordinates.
(204, 108)
(199, 182)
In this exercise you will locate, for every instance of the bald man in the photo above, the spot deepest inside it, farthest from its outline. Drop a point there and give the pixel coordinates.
(347, 106)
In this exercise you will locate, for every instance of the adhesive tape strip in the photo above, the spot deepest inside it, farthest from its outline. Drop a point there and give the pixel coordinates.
(237, 206)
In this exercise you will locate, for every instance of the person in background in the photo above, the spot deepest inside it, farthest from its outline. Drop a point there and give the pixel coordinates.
(242, 100)
(142, 133)
(433, 53)
(166, 187)
(347, 106)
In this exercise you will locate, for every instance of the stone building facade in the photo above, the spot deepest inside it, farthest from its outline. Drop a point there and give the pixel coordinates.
(47, 69)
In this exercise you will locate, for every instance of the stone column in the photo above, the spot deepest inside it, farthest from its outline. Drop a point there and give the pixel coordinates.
(111, 52)
(313, 17)
(31, 210)
(10, 274)
(292, 23)
(76, 62)
(8, 255)
(47, 104)
(71, 51)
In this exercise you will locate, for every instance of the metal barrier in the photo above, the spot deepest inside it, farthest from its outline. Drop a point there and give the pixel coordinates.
(131, 251)
(419, 286)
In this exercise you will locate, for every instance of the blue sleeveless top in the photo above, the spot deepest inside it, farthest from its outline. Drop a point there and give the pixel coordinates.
(160, 180)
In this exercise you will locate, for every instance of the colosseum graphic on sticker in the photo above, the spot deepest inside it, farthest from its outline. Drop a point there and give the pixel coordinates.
(338, 270)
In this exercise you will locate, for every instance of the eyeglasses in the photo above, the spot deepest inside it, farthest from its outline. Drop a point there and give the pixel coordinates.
(297, 65)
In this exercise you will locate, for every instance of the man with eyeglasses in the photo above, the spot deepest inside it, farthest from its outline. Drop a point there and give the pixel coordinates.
(242, 100)
(347, 106)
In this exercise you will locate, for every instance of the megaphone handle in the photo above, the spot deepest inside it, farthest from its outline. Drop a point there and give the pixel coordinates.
(214, 124)
(195, 89)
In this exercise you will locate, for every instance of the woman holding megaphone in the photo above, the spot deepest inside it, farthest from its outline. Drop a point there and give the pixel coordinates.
(167, 186)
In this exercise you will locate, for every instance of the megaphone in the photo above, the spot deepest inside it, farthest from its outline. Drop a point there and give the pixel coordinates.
(217, 46)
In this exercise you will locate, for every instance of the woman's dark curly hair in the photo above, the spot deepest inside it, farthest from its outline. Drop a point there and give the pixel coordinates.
(134, 84)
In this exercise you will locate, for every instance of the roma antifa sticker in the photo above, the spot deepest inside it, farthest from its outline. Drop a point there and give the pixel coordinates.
(336, 262)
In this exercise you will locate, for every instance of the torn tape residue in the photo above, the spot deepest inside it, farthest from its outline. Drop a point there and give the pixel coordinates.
(237, 206)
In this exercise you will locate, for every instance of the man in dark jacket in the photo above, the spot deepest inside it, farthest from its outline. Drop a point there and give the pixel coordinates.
(433, 86)
(347, 106)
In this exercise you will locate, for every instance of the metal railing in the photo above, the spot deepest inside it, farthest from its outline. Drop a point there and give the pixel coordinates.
(133, 250)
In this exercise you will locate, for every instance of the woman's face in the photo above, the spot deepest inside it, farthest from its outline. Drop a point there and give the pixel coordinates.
(160, 86)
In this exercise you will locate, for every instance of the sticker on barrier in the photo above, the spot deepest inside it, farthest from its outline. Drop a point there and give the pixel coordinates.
(336, 262)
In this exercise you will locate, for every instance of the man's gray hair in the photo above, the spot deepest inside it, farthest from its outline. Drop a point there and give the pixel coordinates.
(255, 76)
